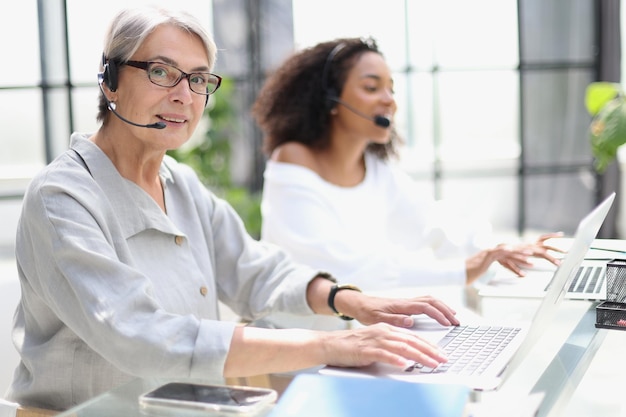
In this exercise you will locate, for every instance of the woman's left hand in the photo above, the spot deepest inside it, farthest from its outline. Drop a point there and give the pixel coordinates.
(395, 311)
(512, 257)
(518, 256)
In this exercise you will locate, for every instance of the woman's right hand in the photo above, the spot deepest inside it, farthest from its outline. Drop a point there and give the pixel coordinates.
(256, 351)
(380, 342)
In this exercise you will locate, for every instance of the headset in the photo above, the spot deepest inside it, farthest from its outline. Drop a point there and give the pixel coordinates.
(331, 92)
(332, 95)
(109, 73)
(108, 76)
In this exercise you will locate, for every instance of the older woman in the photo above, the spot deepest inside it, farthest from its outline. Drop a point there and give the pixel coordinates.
(123, 254)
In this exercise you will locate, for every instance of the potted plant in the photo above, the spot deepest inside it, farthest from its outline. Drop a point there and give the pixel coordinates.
(606, 103)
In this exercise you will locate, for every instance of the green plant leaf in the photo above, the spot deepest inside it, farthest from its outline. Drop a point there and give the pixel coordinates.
(608, 132)
(600, 93)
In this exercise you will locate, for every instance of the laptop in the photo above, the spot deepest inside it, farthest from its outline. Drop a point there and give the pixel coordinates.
(588, 283)
(510, 348)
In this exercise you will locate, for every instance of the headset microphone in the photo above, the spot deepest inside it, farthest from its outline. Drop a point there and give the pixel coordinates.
(382, 121)
(378, 120)
(157, 125)
(332, 95)
(109, 77)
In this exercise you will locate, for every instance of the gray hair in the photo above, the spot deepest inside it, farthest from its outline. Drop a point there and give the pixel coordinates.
(130, 28)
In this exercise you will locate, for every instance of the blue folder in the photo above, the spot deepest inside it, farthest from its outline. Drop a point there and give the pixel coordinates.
(315, 395)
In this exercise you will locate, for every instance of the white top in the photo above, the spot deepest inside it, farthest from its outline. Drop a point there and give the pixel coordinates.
(379, 234)
(113, 288)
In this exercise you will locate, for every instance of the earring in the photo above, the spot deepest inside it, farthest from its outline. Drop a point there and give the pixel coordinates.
(334, 111)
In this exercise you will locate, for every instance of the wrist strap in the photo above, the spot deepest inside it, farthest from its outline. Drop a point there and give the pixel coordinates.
(331, 298)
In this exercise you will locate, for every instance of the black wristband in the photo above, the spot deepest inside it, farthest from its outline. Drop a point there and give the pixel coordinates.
(331, 298)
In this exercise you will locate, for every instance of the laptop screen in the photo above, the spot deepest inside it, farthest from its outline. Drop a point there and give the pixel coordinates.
(585, 234)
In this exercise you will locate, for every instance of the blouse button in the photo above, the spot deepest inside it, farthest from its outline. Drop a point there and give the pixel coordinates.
(178, 240)
(203, 290)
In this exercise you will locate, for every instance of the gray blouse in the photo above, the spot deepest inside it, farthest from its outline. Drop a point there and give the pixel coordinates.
(114, 288)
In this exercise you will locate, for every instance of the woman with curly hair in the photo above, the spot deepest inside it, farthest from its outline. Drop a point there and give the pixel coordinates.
(334, 199)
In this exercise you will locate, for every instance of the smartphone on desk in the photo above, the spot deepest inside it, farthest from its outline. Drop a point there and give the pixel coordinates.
(176, 398)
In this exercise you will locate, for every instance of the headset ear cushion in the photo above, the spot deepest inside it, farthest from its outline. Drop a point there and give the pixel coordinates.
(110, 75)
(331, 96)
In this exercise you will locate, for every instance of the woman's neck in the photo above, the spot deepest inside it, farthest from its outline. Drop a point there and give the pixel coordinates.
(134, 163)
(342, 166)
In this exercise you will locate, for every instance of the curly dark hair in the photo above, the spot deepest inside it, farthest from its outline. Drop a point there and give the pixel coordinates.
(293, 104)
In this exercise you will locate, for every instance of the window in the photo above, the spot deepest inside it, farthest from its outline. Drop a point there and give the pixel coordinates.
(490, 92)
(20, 99)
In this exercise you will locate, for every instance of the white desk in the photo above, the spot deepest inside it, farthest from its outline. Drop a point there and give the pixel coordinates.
(579, 373)
(556, 364)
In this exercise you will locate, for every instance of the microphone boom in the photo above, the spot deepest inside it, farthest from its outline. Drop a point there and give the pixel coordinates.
(378, 120)
(157, 125)
(111, 106)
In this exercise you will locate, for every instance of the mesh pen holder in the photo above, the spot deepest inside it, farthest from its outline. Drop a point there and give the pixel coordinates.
(611, 313)
(616, 281)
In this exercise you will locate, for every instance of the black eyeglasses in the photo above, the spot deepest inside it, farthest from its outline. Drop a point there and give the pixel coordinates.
(166, 75)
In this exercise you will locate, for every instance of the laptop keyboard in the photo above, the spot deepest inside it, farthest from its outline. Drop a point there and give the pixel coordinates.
(470, 349)
(588, 280)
